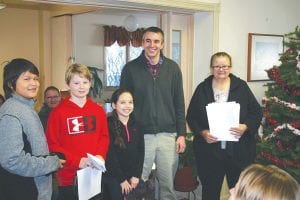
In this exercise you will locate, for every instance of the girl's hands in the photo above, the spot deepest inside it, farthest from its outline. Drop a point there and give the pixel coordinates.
(134, 182)
(126, 187)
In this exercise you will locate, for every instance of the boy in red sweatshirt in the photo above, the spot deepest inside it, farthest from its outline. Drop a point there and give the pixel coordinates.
(77, 126)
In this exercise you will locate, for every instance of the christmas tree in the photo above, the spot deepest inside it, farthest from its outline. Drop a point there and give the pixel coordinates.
(279, 140)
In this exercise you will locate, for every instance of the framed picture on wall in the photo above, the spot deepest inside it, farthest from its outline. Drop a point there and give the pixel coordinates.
(263, 54)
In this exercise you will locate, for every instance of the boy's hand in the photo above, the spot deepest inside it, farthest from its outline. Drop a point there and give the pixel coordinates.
(61, 163)
(100, 157)
(84, 162)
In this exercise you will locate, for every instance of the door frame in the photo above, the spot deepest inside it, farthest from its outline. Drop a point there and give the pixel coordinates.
(185, 24)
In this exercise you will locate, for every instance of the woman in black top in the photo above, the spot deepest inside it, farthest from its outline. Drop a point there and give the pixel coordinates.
(215, 158)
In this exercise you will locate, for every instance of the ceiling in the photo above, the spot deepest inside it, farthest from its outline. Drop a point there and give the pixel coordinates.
(55, 8)
(63, 7)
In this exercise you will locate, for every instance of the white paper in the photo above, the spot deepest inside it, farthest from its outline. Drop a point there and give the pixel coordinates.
(97, 163)
(89, 182)
(222, 117)
(89, 178)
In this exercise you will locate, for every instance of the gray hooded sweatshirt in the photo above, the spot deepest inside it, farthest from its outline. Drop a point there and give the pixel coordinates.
(17, 116)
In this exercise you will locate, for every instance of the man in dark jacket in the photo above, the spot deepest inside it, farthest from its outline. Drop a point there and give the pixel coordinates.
(52, 98)
(156, 84)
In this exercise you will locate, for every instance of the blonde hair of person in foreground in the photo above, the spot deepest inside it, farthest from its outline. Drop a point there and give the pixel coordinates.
(259, 182)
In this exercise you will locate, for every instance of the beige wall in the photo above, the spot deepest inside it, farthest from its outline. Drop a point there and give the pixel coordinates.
(24, 33)
(61, 50)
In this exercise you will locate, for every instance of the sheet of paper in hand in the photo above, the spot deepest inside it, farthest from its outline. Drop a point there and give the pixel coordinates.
(222, 117)
(89, 178)
(97, 163)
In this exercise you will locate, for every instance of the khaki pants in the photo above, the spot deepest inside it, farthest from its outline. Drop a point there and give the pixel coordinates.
(161, 149)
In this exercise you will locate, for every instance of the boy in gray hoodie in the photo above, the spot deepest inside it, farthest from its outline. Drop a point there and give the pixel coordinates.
(25, 163)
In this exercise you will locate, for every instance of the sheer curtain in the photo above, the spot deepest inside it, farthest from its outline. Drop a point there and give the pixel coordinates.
(120, 46)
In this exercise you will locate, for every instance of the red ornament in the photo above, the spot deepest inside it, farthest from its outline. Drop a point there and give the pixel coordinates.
(279, 145)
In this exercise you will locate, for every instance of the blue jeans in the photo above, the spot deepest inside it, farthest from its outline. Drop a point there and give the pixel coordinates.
(161, 149)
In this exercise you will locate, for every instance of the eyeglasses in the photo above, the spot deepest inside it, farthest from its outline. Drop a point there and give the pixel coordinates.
(224, 67)
(53, 97)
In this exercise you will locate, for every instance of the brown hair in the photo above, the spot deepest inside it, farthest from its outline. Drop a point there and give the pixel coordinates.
(116, 123)
(220, 54)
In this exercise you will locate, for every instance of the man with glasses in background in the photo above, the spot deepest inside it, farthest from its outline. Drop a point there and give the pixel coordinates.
(52, 98)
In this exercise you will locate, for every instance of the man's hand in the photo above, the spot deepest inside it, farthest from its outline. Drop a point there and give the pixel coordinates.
(180, 144)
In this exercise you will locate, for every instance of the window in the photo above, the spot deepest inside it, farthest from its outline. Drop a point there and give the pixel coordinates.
(134, 52)
(121, 47)
(176, 51)
(115, 58)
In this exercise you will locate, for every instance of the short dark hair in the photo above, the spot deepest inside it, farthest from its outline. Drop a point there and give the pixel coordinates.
(51, 87)
(154, 29)
(13, 70)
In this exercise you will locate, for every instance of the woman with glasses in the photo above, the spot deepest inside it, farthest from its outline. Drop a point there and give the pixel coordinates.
(215, 158)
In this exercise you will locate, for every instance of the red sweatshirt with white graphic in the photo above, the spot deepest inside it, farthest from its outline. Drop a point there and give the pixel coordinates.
(76, 131)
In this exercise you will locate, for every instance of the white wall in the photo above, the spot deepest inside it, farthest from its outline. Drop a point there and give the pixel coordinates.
(203, 46)
(239, 17)
(88, 32)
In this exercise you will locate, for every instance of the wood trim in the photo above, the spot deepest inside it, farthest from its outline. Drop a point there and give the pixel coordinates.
(162, 5)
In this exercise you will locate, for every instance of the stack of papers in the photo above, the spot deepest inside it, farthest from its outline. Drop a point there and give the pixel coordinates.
(222, 117)
(89, 178)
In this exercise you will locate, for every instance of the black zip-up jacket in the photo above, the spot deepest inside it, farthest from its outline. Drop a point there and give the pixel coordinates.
(159, 102)
(250, 114)
(123, 164)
